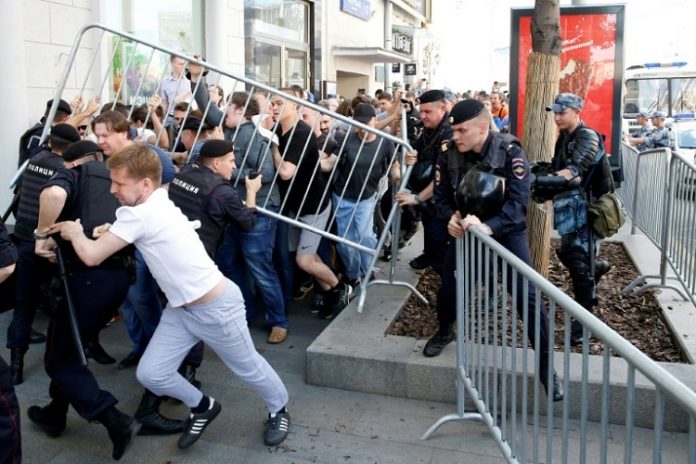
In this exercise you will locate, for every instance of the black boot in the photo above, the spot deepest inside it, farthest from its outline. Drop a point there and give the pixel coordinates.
(122, 429)
(438, 342)
(601, 268)
(153, 423)
(17, 365)
(575, 333)
(557, 390)
(94, 350)
(36, 337)
(51, 419)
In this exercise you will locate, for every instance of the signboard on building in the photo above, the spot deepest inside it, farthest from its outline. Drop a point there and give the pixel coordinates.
(591, 65)
(410, 69)
(359, 8)
(402, 39)
(396, 67)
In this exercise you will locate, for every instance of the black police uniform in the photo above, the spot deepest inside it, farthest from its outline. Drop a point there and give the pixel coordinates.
(97, 293)
(577, 151)
(205, 196)
(10, 434)
(502, 156)
(431, 145)
(32, 271)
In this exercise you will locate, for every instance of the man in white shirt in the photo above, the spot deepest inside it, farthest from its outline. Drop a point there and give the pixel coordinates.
(203, 305)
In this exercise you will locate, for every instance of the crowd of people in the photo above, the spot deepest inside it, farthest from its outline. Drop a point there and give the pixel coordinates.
(198, 213)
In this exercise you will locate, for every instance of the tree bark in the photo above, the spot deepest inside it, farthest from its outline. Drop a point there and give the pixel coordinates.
(538, 129)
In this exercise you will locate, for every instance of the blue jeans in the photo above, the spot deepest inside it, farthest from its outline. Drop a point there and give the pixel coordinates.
(246, 258)
(284, 261)
(359, 229)
(142, 309)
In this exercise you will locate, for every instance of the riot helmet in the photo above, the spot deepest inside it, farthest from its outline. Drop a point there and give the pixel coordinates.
(480, 193)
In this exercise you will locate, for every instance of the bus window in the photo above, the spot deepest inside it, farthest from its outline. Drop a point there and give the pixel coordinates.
(683, 95)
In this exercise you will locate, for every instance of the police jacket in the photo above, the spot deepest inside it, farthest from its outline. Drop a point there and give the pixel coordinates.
(501, 155)
(90, 200)
(29, 141)
(40, 169)
(578, 151)
(430, 144)
(205, 196)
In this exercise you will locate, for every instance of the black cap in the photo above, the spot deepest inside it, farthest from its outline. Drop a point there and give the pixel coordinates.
(465, 110)
(64, 133)
(364, 113)
(432, 96)
(192, 123)
(62, 105)
(216, 148)
(80, 149)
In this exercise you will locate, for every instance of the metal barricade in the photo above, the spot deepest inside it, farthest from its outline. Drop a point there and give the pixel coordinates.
(629, 160)
(350, 162)
(662, 207)
(502, 380)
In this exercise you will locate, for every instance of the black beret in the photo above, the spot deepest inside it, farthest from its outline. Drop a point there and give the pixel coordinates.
(215, 148)
(79, 149)
(465, 110)
(62, 106)
(64, 133)
(432, 96)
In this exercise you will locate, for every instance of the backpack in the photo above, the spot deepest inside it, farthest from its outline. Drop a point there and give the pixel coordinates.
(606, 215)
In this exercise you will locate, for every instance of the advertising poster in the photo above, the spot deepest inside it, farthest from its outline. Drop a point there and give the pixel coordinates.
(591, 65)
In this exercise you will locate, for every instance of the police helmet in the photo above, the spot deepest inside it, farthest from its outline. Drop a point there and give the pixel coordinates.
(481, 194)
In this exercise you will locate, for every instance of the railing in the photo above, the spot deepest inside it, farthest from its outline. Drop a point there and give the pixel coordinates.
(658, 194)
(504, 384)
(140, 79)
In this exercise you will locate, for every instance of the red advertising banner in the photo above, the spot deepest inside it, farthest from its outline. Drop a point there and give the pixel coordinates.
(591, 65)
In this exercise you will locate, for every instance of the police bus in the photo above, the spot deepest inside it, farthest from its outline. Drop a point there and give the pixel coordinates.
(666, 87)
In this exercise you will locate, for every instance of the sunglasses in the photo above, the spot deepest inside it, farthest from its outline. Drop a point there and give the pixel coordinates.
(82, 127)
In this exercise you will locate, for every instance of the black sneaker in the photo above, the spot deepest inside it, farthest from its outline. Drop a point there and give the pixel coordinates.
(303, 290)
(317, 302)
(420, 262)
(437, 343)
(277, 427)
(338, 299)
(196, 424)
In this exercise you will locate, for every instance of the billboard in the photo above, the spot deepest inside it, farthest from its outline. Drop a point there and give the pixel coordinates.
(591, 65)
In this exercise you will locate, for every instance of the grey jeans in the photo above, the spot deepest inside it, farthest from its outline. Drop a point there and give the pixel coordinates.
(221, 324)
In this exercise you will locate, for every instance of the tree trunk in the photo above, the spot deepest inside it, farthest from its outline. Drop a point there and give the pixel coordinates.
(539, 130)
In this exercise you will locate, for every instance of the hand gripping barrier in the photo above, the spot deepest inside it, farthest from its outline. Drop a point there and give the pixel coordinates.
(145, 67)
(636, 409)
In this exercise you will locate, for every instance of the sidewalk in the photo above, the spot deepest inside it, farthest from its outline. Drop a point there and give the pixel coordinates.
(329, 425)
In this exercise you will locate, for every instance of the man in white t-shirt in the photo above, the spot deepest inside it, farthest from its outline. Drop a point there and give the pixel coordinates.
(203, 305)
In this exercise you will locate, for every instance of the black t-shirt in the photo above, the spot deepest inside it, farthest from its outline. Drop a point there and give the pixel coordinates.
(371, 160)
(308, 180)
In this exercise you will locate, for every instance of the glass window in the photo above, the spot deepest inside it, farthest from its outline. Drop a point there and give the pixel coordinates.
(683, 95)
(277, 41)
(646, 95)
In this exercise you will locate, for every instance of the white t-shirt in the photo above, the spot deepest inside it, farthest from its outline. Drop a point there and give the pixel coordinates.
(170, 246)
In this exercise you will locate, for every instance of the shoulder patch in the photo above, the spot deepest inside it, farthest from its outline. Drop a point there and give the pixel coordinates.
(437, 175)
(444, 146)
(519, 168)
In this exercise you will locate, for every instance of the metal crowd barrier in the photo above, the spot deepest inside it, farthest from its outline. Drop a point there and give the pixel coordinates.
(140, 79)
(659, 194)
(502, 382)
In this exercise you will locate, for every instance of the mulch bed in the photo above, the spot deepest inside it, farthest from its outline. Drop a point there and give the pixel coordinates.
(636, 318)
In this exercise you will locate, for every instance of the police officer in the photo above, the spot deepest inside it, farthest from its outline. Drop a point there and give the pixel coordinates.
(81, 192)
(657, 138)
(579, 157)
(29, 142)
(32, 271)
(478, 155)
(10, 432)
(430, 144)
(644, 130)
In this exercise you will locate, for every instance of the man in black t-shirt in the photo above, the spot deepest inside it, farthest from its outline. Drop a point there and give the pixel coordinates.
(360, 161)
(303, 188)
